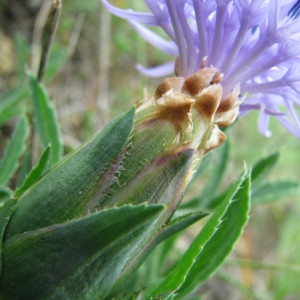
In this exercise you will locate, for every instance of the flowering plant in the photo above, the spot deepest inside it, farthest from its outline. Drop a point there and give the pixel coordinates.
(79, 227)
(253, 44)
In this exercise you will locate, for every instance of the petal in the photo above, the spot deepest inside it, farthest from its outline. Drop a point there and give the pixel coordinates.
(263, 124)
(146, 18)
(154, 39)
(159, 71)
(295, 130)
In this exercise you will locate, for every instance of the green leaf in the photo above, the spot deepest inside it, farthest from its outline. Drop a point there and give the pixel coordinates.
(167, 231)
(263, 167)
(213, 243)
(14, 150)
(173, 227)
(35, 173)
(6, 210)
(73, 187)
(45, 119)
(178, 224)
(223, 240)
(25, 167)
(274, 191)
(9, 104)
(79, 259)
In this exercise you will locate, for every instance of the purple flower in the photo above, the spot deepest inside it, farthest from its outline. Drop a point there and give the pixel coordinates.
(253, 43)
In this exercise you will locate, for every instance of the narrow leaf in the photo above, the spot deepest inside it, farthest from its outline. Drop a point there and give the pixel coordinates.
(45, 119)
(172, 228)
(35, 173)
(184, 273)
(25, 167)
(179, 224)
(79, 259)
(165, 232)
(222, 241)
(14, 150)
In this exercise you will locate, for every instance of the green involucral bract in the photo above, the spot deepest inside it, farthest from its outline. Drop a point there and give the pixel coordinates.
(87, 224)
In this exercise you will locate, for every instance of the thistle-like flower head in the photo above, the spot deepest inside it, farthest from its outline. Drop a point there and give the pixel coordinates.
(254, 45)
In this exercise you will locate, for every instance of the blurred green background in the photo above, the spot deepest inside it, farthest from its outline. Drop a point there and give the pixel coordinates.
(91, 78)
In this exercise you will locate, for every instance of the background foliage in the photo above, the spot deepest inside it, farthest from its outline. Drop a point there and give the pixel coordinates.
(93, 58)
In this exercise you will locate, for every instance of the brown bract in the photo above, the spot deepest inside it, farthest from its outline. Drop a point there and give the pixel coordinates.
(208, 101)
(200, 80)
(195, 106)
(176, 108)
(168, 84)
